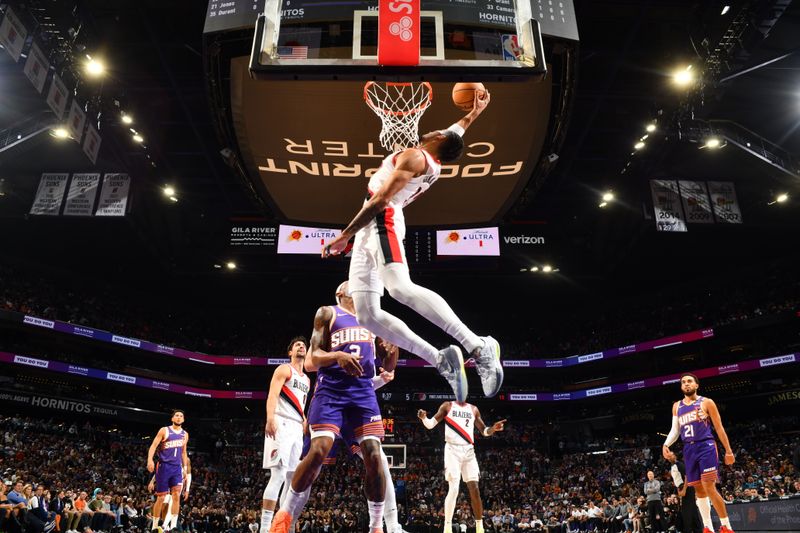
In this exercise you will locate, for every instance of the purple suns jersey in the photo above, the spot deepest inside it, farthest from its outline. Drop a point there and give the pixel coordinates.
(348, 336)
(693, 427)
(171, 449)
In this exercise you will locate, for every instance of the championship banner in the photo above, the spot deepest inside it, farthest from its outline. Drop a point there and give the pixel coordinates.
(723, 198)
(114, 195)
(91, 144)
(76, 121)
(36, 67)
(57, 96)
(667, 206)
(696, 204)
(50, 194)
(12, 34)
(303, 240)
(81, 195)
(479, 241)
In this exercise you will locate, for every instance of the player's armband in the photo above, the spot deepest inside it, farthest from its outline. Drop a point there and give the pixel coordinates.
(458, 130)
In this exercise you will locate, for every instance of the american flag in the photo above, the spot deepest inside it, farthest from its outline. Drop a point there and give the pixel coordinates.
(293, 52)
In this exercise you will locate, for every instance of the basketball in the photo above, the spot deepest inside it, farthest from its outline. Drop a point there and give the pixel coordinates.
(464, 94)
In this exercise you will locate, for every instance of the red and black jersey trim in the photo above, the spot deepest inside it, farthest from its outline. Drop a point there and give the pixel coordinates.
(387, 236)
(458, 429)
(287, 395)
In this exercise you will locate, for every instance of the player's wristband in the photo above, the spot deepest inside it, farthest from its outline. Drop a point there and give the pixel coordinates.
(458, 130)
(486, 431)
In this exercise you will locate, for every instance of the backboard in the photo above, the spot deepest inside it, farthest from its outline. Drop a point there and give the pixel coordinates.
(451, 40)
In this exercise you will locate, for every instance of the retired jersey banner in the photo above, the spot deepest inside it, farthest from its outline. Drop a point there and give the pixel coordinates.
(91, 144)
(12, 34)
(723, 198)
(114, 195)
(50, 194)
(667, 205)
(696, 205)
(479, 241)
(303, 240)
(36, 67)
(399, 32)
(76, 121)
(57, 96)
(81, 195)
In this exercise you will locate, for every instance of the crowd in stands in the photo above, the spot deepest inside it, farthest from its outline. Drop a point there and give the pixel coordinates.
(70, 476)
(585, 330)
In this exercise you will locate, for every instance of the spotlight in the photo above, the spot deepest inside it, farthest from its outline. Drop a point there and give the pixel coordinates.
(602, 204)
(59, 133)
(169, 191)
(713, 143)
(127, 119)
(781, 198)
(683, 77)
(644, 137)
(650, 127)
(534, 269)
(173, 199)
(607, 197)
(95, 68)
(230, 265)
(639, 145)
(547, 269)
(138, 138)
(725, 9)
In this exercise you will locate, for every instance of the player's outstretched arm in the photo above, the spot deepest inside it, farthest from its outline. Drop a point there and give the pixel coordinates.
(430, 423)
(716, 419)
(481, 101)
(409, 163)
(488, 431)
(279, 377)
(388, 353)
(160, 436)
(319, 357)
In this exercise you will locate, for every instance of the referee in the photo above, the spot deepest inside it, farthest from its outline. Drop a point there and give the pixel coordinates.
(690, 514)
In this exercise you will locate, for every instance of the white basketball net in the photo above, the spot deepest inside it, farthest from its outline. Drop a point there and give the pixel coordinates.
(399, 106)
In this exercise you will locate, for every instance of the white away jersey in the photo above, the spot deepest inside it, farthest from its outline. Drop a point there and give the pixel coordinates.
(414, 188)
(293, 397)
(459, 424)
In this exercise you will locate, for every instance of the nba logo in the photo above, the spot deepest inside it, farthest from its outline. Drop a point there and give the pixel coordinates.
(511, 49)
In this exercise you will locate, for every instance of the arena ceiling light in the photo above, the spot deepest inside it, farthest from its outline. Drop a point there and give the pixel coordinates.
(138, 138)
(683, 77)
(534, 269)
(714, 143)
(639, 145)
(782, 198)
(94, 67)
(230, 265)
(169, 191)
(725, 9)
(608, 197)
(650, 127)
(59, 133)
(127, 119)
(547, 269)
(173, 199)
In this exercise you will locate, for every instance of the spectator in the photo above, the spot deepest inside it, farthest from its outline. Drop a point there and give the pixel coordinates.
(655, 508)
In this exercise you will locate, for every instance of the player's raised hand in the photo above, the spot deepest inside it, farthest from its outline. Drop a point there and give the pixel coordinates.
(349, 362)
(335, 247)
(500, 425)
(422, 414)
(271, 428)
(386, 376)
(482, 99)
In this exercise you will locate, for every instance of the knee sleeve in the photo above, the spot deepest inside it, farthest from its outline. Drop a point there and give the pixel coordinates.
(276, 479)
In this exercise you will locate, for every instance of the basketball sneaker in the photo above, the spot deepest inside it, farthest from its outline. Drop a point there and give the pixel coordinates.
(281, 522)
(707, 530)
(490, 369)
(450, 364)
(725, 529)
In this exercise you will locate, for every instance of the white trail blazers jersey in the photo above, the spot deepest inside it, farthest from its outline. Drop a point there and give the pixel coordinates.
(293, 397)
(460, 424)
(414, 188)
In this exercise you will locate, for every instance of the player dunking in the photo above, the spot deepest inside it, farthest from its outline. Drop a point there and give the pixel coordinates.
(170, 442)
(343, 353)
(379, 260)
(283, 432)
(692, 418)
(460, 420)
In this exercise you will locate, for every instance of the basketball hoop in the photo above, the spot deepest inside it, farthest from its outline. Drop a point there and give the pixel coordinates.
(399, 106)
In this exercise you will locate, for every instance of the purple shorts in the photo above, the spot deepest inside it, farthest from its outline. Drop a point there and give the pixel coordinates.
(357, 409)
(168, 476)
(702, 461)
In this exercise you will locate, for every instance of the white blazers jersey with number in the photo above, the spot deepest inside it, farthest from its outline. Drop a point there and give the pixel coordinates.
(415, 187)
(460, 424)
(293, 397)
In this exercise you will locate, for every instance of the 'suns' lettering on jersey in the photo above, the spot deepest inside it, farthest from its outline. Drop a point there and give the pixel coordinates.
(168, 445)
(348, 335)
(688, 418)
